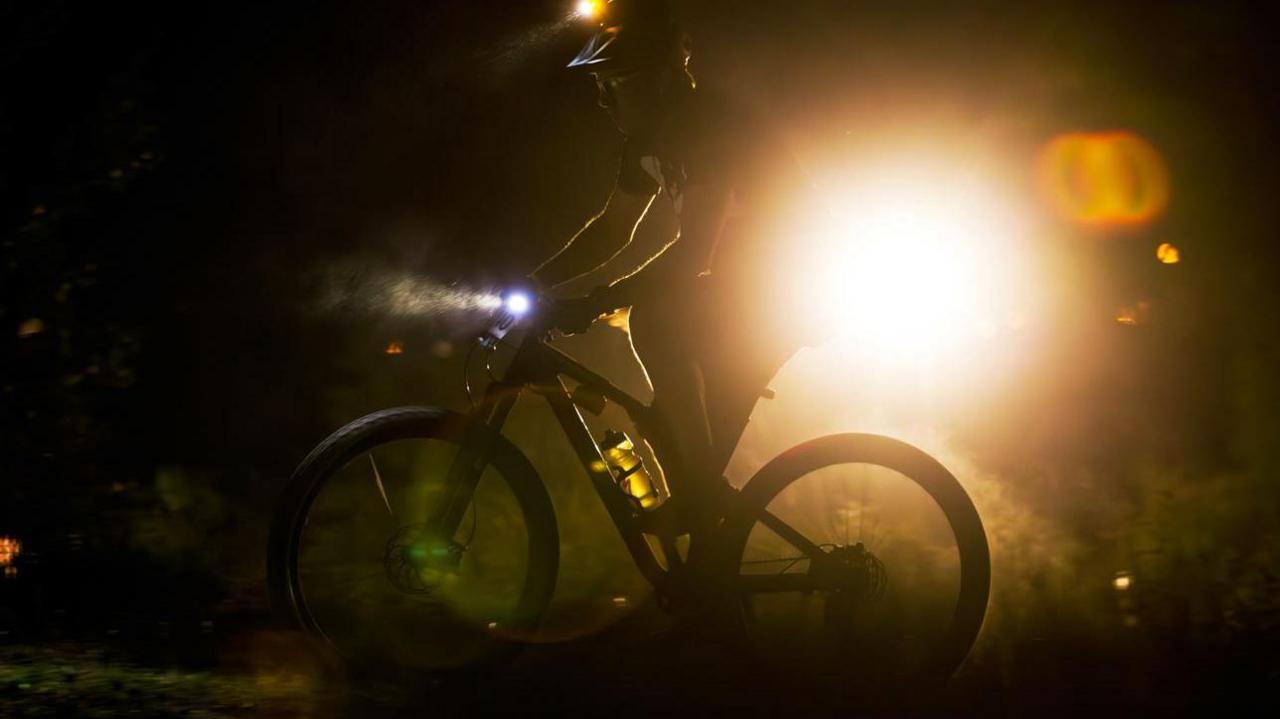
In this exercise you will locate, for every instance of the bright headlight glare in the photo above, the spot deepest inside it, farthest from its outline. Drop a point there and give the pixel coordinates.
(518, 303)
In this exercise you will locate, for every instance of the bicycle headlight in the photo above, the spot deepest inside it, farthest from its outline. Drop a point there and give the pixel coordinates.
(517, 303)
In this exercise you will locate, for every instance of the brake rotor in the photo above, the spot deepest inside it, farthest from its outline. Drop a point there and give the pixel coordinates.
(419, 562)
(853, 579)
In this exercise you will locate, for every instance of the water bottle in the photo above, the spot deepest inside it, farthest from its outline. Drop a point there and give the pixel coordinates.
(628, 469)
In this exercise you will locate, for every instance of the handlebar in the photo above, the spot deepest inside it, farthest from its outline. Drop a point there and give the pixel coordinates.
(541, 314)
(518, 306)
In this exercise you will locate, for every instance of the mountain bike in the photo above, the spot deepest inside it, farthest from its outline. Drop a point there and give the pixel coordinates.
(422, 537)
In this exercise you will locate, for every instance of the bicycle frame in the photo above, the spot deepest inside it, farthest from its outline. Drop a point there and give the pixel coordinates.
(539, 368)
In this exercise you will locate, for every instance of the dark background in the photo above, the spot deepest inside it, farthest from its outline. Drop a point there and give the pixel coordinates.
(180, 185)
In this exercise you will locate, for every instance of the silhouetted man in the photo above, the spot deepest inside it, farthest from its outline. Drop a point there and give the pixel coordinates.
(705, 312)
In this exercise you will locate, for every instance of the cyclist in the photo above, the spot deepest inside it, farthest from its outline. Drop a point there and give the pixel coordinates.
(698, 304)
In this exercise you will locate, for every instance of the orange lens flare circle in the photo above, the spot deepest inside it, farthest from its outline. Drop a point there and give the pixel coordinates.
(1105, 179)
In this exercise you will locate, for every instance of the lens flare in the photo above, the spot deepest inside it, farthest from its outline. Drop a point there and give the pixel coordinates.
(1133, 315)
(31, 327)
(1105, 179)
(10, 548)
(1168, 254)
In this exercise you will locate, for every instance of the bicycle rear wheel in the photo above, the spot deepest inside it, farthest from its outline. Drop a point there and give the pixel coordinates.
(357, 559)
(858, 561)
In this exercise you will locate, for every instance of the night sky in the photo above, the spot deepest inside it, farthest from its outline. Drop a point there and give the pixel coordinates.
(200, 204)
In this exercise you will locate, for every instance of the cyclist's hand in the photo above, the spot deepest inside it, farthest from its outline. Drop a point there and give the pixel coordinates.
(574, 316)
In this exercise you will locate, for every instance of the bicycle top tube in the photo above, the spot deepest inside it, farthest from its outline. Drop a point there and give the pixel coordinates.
(537, 362)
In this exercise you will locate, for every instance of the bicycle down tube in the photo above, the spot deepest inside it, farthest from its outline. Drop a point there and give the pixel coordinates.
(549, 364)
(536, 367)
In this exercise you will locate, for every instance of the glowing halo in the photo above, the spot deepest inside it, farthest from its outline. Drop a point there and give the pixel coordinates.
(915, 263)
(1103, 179)
(518, 303)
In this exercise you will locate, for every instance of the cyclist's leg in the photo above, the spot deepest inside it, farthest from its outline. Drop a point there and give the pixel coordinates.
(733, 387)
(663, 336)
(739, 361)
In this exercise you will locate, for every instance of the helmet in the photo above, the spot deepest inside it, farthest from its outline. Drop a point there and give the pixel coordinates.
(633, 34)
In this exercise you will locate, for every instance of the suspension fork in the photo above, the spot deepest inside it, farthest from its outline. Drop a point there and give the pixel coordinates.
(482, 426)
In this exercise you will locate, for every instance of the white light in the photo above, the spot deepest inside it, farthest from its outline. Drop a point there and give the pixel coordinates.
(518, 303)
(586, 8)
(910, 263)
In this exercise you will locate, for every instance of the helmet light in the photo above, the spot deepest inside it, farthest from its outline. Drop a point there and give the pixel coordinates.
(590, 9)
(517, 303)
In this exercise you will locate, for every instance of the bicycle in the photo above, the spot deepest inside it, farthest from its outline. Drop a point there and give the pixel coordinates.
(468, 552)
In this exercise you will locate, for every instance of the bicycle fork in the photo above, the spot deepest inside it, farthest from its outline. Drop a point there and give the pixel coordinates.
(467, 467)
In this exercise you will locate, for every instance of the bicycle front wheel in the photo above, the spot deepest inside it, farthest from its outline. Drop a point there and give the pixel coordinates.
(359, 557)
(858, 561)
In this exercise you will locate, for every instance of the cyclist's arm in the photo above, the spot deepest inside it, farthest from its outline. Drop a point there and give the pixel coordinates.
(600, 240)
(702, 217)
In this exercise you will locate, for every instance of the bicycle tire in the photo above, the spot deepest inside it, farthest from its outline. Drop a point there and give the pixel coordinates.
(288, 599)
(922, 469)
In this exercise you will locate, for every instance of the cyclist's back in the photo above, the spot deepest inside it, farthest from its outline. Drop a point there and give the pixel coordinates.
(710, 140)
(735, 319)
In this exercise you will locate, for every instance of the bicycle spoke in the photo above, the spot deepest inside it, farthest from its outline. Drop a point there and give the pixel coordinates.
(339, 566)
(382, 490)
(827, 524)
(844, 487)
(363, 578)
(862, 508)
(331, 590)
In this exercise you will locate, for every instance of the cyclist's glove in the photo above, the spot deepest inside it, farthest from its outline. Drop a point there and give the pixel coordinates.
(575, 316)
